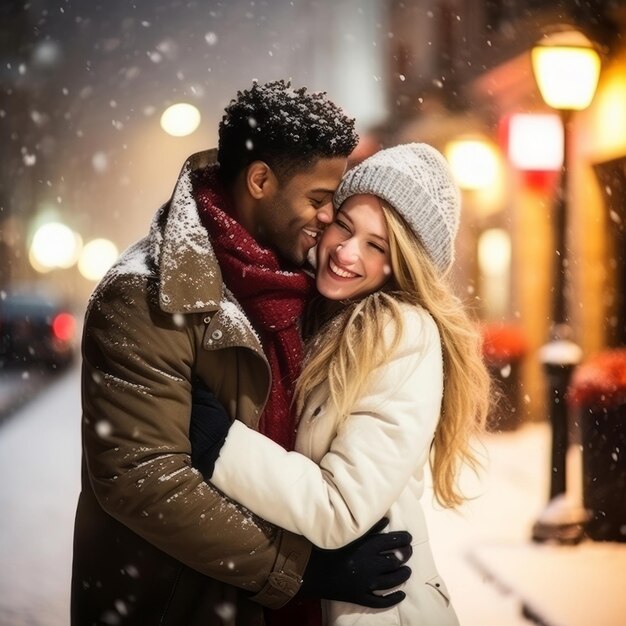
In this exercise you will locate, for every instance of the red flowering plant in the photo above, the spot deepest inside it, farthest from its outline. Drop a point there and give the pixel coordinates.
(600, 381)
(503, 343)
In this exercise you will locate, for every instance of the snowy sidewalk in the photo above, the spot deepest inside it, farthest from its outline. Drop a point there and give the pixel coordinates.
(483, 552)
(561, 585)
(40, 466)
(492, 568)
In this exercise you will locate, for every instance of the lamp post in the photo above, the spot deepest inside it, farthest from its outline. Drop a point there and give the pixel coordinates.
(566, 68)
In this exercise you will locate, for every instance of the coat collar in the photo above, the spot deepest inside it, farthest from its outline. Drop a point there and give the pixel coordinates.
(190, 277)
(190, 280)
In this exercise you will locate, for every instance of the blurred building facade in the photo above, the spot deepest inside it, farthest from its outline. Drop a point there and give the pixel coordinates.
(82, 90)
(460, 69)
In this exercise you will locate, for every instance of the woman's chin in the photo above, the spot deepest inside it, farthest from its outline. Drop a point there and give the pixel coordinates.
(331, 292)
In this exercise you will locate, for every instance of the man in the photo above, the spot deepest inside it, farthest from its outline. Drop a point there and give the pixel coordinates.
(212, 293)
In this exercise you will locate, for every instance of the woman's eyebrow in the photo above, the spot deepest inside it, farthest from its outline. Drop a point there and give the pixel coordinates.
(343, 214)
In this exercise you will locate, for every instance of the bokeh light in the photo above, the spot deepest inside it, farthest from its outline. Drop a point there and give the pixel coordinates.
(475, 163)
(54, 245)
(97, 257)
(180, 119)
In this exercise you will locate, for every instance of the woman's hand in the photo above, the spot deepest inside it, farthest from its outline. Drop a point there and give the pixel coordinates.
(208, 428)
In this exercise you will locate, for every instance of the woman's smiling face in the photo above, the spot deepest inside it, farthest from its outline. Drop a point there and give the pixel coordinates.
(353, 257)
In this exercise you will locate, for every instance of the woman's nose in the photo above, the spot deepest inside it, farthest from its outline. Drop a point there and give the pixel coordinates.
(347, 252)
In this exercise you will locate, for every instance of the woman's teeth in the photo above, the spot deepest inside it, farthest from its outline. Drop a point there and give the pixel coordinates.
(337, 270)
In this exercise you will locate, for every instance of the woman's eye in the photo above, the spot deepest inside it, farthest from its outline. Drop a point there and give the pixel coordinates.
(377, 247)
(342, 225)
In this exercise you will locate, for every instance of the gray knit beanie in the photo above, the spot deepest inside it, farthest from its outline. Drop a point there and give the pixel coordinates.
(416, 181)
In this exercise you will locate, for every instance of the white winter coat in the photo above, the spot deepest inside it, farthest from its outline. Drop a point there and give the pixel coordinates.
(365, 467)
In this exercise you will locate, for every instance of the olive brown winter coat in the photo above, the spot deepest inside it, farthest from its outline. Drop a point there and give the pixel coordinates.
(154, 544)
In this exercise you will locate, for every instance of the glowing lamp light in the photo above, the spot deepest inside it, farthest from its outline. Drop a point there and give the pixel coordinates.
(536, 142)
(566, 68)
(609, 118)
(97, 257)
(474, 163)
(180, 119)
(494, 252)
(54, 245)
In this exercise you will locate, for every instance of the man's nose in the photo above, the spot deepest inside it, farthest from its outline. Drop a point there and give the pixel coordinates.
(325, 213)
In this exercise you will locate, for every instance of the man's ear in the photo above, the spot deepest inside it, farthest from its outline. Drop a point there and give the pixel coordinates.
(261, 182)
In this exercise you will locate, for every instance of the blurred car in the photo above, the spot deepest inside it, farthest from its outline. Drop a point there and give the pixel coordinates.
(36, 328)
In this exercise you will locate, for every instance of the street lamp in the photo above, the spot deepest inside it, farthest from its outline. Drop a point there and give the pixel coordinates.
(566, 68)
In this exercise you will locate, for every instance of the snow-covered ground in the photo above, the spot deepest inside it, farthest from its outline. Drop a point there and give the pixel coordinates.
(40, 462)
(40, 470)
(561, 585)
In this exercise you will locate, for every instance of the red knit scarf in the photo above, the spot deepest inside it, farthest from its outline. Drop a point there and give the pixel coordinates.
(273, 300)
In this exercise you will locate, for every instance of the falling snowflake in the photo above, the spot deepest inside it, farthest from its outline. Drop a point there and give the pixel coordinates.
(103, 428)
(225, 610)
(29, 159)
(100, 162)
(121, 608)
(132, 571)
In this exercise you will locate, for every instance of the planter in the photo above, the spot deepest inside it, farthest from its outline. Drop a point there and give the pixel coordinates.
(504, 346)
(604, 472)
(598, 388)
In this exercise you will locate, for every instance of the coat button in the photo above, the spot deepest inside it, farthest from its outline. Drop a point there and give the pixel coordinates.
(217, 334)
(165, 298)
(207, 319)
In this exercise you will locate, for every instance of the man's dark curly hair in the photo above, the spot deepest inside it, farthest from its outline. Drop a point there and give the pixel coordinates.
(289, 129)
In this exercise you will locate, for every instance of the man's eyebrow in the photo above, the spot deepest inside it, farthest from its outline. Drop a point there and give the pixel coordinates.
(324, 191)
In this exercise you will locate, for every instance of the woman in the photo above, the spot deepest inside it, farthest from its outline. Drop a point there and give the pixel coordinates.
(392, 381)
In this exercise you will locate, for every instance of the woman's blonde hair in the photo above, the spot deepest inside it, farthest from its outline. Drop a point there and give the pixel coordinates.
(347, 349)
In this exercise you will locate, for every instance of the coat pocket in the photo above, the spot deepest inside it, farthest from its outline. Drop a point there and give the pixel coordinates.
(437, 584)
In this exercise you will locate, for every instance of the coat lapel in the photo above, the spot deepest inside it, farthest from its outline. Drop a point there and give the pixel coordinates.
(190, 277)
(190, 280)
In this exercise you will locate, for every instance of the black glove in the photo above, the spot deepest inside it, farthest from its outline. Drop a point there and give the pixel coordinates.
(208, 428)
(351, 574)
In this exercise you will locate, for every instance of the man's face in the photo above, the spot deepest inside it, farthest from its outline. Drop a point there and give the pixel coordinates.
(293, 217)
